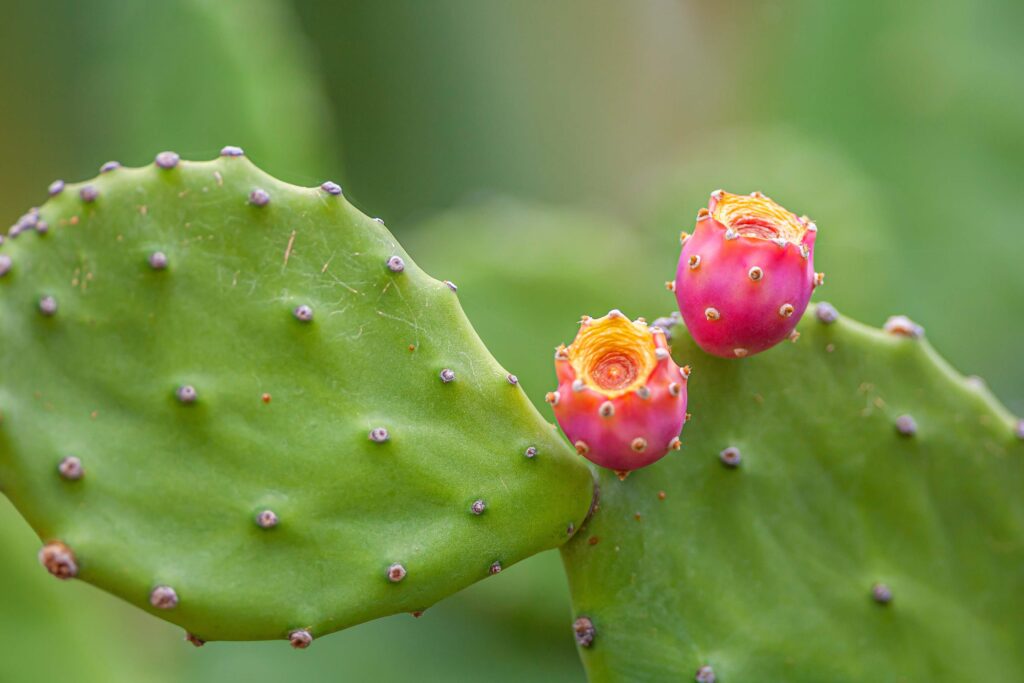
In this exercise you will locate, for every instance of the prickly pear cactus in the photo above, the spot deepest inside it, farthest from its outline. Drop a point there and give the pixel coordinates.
(845, 508)
(240, 405)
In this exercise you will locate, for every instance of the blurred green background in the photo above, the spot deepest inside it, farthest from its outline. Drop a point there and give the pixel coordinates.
(544, 155)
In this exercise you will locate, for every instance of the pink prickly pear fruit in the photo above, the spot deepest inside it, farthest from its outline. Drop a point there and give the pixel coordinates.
(746, 274)
(621, 399)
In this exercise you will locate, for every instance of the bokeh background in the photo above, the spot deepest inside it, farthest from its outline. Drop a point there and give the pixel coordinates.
(544, 155)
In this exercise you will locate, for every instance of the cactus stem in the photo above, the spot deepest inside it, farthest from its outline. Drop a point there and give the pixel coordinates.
(730, 457)
(70, 468)
(906, 425)
(48, 306)
(267, 519)
(59, 560)
(447, 375)
(639, 444)
(232, 151)
(530, 452)
(187, 394)
(303, 313)
(583, 630)
(158, 260)
(110, 166)
(581, 447)
(163, 597)
(826, 313)
(396, 572)
(786, 310)
(379, 435)
(194, 639)
(88, 194)
(755, 273)
(331, 187)
(55, 188)
(167, 160)
(881, 594)
(396, 264)
(478, 507)
(495, 568)
(694, 261)
(739, 352)
(259, 197)
(705, 674)
(607, 409)
(712, 313)
(300, 639)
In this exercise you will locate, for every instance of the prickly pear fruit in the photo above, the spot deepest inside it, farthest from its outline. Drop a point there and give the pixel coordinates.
(745, 275)
(621, 399)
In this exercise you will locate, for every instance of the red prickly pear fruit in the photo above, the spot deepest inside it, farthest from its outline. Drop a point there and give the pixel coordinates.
(746, 274)
(621, 399)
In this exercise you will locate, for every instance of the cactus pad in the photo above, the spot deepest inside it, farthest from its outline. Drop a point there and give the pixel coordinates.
(241, 406)
(845, 508)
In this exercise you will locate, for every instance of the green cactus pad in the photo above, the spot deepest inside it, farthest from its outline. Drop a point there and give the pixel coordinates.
(211, 344)
(872, 529)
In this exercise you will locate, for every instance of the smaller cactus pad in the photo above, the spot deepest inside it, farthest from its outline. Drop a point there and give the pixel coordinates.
(241, 406)
(844, 508)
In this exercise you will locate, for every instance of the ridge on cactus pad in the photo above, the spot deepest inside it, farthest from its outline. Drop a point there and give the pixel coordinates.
(222, 400)
(845, 508)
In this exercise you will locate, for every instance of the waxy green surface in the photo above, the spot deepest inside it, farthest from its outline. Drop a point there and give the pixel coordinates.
(765, 571)
(283, 411)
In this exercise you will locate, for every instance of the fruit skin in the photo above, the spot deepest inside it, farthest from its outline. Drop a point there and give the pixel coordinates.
(195, 400)
(743, 281)
(839, 550)
(628, 427)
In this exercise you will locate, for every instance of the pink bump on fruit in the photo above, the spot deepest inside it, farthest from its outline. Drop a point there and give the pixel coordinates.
(621, 399)
(745, 275)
